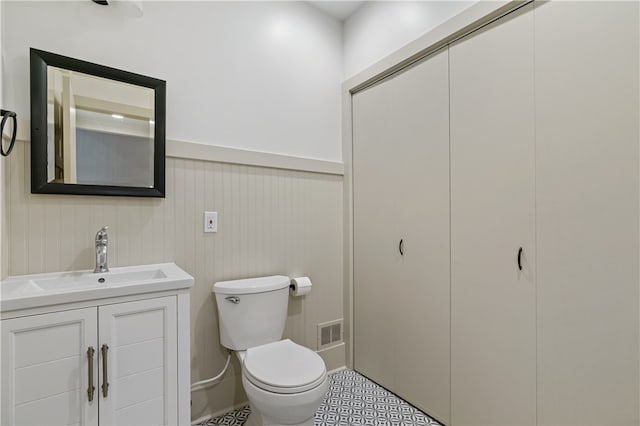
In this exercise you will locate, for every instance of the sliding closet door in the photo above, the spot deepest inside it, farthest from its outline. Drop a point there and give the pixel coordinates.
(376, 234)
(422, 340)
(587, 212)
(401, 234)
(492, 218)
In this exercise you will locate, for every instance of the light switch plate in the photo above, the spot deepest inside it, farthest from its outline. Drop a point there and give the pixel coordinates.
(210, 221)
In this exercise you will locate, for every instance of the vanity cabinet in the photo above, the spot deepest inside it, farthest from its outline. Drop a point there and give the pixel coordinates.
(128, 350)
(115, 362)
(104, 357)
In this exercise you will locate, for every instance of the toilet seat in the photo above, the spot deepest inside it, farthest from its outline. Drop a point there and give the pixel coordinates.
(284, 367)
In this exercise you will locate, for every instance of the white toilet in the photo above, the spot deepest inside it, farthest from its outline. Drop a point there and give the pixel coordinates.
(285, 382)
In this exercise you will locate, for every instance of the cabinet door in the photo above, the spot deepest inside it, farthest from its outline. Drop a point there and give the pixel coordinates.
(45, 369)
(493, 312)
(141, 362)
(587, 126)
(401, 192)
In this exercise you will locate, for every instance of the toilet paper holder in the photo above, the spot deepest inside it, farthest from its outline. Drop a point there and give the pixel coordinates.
(300, 286)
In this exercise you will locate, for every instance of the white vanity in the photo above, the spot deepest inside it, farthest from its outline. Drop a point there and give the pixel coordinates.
(84, 348)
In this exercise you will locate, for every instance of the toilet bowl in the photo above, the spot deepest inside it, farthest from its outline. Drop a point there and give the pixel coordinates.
(284, 382)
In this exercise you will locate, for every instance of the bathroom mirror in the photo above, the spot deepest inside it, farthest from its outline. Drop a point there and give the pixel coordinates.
(95, 130)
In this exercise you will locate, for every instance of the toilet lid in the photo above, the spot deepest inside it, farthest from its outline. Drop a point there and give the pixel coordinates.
(284, 367)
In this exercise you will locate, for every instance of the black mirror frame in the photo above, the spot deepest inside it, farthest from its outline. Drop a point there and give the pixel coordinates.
(39, 60)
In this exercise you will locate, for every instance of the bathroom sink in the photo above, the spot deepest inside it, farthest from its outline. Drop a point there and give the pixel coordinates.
(89, 279)
(30, 291)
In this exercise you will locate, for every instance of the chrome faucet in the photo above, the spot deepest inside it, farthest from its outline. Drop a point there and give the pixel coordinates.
(101, 250)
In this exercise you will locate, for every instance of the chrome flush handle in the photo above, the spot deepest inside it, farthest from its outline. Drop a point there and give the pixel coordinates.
(233, 299)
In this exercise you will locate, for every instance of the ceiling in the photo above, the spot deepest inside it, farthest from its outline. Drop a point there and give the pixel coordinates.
(338, 9)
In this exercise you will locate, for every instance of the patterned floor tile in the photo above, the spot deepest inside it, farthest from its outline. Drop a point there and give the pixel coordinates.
(352, 400)
(233, 418)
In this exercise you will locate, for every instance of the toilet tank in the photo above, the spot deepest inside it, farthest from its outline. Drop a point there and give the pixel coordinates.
(251, 312)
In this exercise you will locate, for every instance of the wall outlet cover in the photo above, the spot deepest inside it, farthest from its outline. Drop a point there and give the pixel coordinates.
(210, 221)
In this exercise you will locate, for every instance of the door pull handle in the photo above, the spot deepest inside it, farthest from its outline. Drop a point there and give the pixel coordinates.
(105, 380)
(91, 389)
(520, 258)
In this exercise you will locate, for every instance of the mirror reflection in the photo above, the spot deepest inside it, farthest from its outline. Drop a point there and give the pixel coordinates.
(99, 131)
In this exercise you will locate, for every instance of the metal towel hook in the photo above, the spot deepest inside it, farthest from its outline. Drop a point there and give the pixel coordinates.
(6, 115)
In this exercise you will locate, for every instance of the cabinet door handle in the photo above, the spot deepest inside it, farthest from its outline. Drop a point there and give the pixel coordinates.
(520, 258)
(105, 381)
(91, 388)
(401, 247)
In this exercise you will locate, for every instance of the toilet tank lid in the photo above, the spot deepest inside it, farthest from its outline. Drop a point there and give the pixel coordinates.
(252, 285)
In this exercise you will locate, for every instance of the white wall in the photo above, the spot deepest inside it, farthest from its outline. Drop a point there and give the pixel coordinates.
(253, 75)
(379, 28)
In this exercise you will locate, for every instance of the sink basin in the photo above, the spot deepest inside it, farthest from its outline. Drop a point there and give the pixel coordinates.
(30, 291)
(89, 279)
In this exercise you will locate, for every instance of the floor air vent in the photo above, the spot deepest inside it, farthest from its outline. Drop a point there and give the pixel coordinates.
(329, 334)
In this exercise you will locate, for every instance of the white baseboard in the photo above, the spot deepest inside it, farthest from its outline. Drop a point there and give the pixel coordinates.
(335, 370)
(334, 357)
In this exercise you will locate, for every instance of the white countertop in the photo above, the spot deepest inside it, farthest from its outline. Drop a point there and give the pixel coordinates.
(32, 291)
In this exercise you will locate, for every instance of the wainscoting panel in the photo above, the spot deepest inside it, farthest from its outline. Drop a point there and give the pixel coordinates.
(271, 221)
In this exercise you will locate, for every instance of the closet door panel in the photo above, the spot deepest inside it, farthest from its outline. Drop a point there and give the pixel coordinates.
(492, 216)
(587, 212)
(401, 192)
(421, 119)
(376, 255)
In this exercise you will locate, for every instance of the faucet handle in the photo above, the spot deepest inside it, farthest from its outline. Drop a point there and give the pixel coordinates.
(102, 233)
